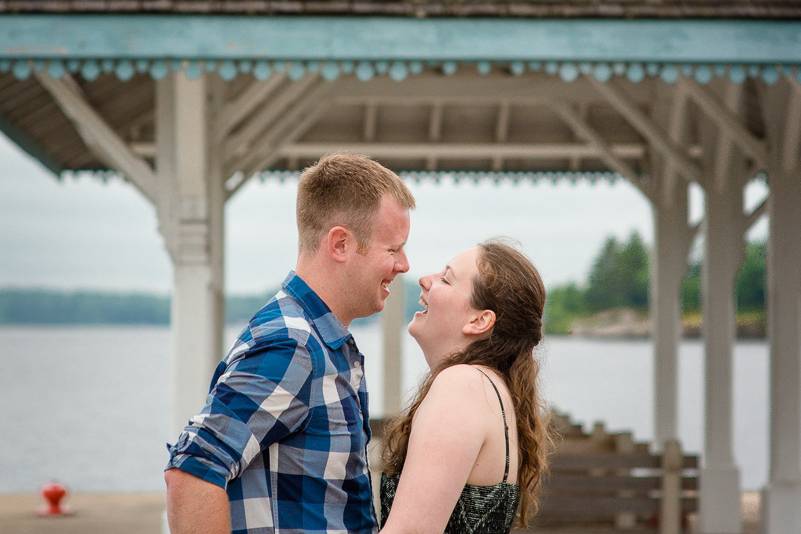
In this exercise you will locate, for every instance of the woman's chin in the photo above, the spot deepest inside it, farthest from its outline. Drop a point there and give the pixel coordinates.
(412, 328)
(415, 328)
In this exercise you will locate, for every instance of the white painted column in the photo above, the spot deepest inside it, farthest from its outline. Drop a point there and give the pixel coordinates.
(393, 327)
(782, 506)
(720, 477)
(191, 219)
(672, 238)
(781, 498)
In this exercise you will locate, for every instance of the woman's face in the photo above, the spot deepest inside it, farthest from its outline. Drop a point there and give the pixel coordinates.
(445, 296)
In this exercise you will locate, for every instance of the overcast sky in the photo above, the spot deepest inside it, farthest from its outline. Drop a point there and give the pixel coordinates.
(83, 233)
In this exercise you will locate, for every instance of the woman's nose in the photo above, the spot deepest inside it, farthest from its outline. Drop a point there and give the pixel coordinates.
(425, 282)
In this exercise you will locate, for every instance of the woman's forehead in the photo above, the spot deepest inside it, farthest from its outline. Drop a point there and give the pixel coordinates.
(465, 262)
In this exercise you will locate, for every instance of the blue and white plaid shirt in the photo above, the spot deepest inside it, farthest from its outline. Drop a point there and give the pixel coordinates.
(285, 426)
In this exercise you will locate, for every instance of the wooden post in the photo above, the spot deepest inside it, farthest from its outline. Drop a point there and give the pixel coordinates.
(624, 444)
(670, 509)
(392, 326)
(190, 211)
(724, 244)
(781, 513)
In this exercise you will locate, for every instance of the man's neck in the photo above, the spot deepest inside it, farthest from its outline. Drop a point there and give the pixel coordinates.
(324, 286)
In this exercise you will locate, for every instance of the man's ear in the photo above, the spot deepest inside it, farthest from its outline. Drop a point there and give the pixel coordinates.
(338, 243)
(481, 323)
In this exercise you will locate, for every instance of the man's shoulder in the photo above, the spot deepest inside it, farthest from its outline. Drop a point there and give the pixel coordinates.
(281, 322)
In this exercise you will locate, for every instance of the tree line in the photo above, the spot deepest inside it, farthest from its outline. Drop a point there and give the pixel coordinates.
(620, 278)
(49, 306)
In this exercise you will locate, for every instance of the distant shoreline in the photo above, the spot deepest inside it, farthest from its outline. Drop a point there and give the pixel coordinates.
(689, 334)
(625, 323)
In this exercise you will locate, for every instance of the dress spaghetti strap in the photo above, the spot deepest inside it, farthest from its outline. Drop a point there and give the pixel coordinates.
(505, 426)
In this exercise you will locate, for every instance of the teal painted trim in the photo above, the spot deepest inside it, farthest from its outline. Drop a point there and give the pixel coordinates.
(31, 147)
(396, 39)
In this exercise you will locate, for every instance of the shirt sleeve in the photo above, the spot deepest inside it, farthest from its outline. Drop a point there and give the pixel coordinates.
(258, 400)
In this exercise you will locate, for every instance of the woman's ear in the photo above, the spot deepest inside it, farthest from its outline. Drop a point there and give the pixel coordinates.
(337, 243)
(481, 323)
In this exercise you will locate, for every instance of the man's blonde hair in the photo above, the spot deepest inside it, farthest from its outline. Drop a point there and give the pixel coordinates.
(344, 190)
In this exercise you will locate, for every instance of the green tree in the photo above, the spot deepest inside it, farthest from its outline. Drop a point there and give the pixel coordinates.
(605, 288)
(633, 272)
(691, 288)
(750, 284)
(619, 276)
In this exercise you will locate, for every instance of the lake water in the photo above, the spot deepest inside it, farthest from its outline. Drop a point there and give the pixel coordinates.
(88, 405)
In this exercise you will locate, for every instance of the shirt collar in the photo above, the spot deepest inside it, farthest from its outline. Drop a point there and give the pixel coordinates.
(333, 333)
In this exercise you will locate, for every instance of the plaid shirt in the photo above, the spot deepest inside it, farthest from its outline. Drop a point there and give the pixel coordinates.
(285, 426)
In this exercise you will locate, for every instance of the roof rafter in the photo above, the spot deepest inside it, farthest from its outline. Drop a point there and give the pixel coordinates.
(650, 130)
(605, 152)
(292, 124)
(239, 141)
(434, 131)
(501, 131)
(98, 135)
(233, 112)
(726, 120)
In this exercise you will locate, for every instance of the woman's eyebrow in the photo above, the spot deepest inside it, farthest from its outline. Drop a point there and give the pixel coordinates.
(449, 268)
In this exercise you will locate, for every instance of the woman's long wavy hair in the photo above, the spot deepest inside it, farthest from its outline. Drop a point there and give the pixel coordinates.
(509, 285)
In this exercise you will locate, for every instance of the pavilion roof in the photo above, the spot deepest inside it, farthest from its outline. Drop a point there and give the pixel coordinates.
(479, 94)
(707, 9)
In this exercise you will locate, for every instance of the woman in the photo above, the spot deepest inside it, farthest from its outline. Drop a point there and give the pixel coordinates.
(472, 448)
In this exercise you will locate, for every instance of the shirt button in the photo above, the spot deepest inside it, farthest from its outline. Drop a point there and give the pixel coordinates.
(357, 364)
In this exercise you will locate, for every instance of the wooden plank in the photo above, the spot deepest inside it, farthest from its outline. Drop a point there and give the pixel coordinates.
(597, 506)
(578, 462)
(566, 483)
(601, 508)
(585, 461)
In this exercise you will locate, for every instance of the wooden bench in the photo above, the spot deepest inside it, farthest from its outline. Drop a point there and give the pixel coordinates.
(609, 479)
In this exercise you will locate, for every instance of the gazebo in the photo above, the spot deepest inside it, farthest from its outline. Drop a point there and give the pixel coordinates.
(188, 100)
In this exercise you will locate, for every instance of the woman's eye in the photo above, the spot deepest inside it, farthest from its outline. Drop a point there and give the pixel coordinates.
(444, 280)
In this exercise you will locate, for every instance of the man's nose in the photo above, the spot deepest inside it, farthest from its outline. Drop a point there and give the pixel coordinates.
(402, 264)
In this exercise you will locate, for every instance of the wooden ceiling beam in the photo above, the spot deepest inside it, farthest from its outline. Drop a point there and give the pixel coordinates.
(648, 129)
(605, 152)
(291, 125)
(370, 120)
(466, 150)
(434, 131)
(98, 135)
(467, 89)
(240, 141)
(235, 111)
(726, 120)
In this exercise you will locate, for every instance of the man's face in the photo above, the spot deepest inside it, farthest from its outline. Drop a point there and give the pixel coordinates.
(375, 268)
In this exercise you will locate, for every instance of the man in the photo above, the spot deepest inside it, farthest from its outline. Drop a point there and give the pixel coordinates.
(280, 445)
